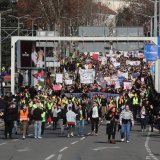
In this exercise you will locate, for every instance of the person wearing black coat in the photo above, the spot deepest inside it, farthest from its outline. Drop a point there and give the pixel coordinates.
(151, 117)
(111, 119)
(9, 116)
(62, 118)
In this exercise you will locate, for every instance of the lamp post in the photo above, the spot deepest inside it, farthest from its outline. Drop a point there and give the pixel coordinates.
(18, 19)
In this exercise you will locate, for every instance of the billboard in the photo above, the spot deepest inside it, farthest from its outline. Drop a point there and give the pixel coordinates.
(30, 55)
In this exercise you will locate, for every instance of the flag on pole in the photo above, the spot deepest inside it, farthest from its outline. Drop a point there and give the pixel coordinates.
(39, 75)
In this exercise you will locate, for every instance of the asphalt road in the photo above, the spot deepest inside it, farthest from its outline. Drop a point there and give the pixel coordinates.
(53, 146)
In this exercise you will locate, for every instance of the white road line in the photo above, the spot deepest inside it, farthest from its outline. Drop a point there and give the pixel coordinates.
(1, 144)
(74, 142)
(82, 138)
(48, 126)
(150, 154)
(101, 148)
(59, 157)
(23, 150)
(63, 149)
(49, 157)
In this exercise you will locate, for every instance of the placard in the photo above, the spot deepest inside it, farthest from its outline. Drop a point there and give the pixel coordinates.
(59, 78)
(87, 76)
(68, 82)
(127, 85)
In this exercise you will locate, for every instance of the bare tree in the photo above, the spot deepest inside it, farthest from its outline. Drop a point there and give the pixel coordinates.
(65, 15)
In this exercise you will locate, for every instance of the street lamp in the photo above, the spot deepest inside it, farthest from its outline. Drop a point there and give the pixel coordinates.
(18, 19)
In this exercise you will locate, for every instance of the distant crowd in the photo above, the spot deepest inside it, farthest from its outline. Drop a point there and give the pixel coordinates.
(42, 106)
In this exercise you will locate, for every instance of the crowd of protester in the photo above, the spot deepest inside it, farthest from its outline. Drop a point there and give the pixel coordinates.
(40, 107)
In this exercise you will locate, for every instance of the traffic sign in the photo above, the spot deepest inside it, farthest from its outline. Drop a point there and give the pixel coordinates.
(151, 52)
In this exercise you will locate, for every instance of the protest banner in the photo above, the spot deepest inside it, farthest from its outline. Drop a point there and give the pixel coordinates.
(92, 94)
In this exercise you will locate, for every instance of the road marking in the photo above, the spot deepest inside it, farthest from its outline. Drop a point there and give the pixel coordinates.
(101, 148)
(82, 138)
(1, 144)
(59, 157)
(48, 126)
(23, 150)
(151, 155)
(63, 149)
(74, 142)
(15, 140)
(49, 157)
(30, 135)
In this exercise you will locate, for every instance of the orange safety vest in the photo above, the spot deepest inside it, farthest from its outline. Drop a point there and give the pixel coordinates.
(24, 115)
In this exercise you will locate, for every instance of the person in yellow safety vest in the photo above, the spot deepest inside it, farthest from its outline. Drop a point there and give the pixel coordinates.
(111, 101)
(65, 100)
(31, 104)
(3, 71)
(34, 105)
(43, 115)
(49, 110)
(121, 101)
(59, 100)
(136, 106)
(24, 119)
(27, 95)
(117, 99)
(73, 99)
